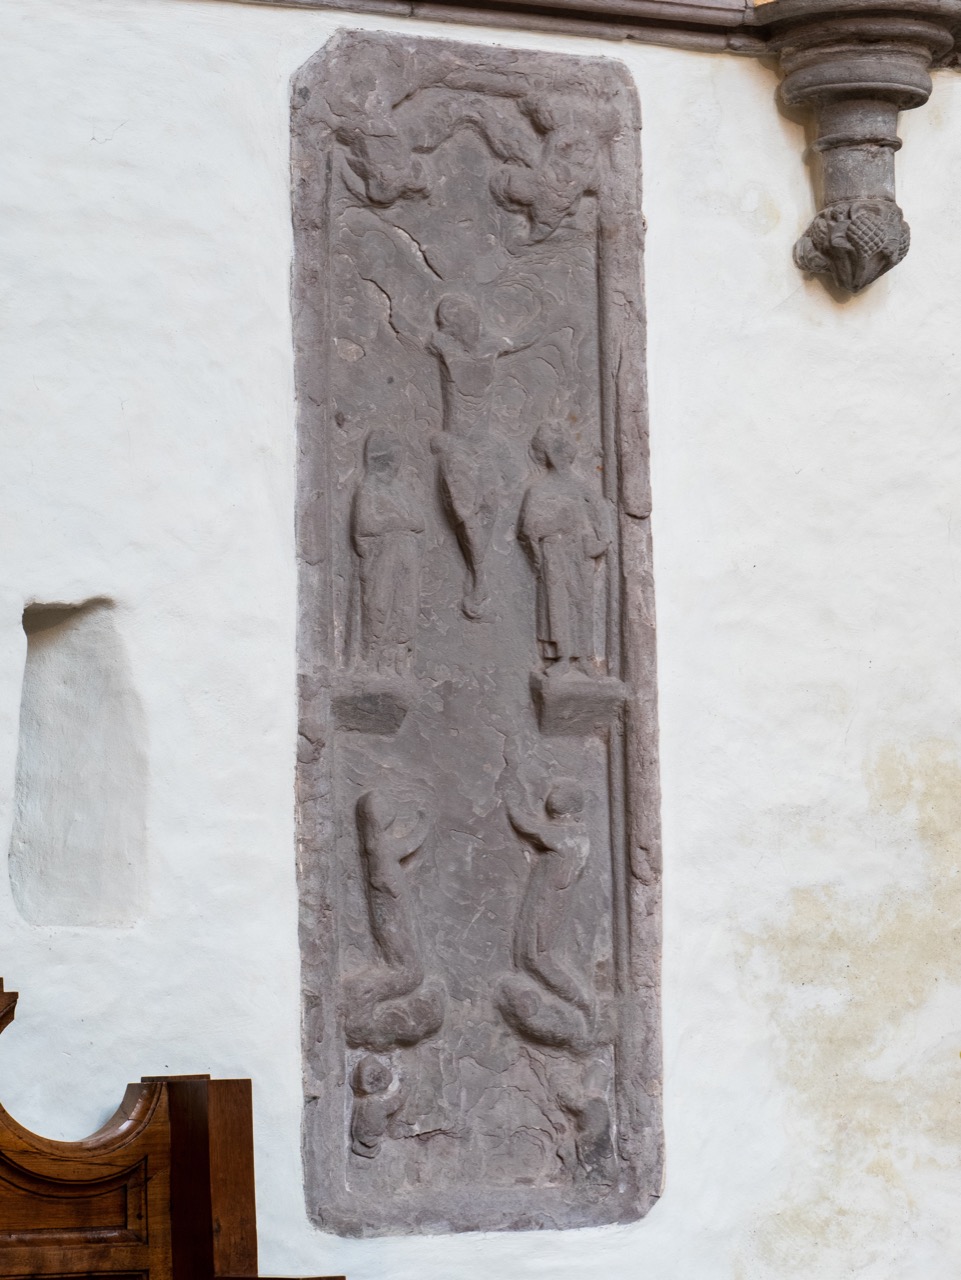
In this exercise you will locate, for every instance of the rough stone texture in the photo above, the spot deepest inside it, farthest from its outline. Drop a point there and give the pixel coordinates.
(477, 790)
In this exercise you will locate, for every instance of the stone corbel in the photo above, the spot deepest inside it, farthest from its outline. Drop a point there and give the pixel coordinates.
(854, 72)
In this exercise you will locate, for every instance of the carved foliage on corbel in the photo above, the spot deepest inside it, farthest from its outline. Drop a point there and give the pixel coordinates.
(853, 242)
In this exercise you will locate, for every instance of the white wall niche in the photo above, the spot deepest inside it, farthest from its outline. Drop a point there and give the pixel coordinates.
(77, 851)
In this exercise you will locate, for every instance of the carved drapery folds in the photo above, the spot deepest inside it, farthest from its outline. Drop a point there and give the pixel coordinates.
(477, 787)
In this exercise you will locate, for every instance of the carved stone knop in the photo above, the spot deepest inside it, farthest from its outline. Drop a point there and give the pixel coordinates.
(854, 242)
(855, 73)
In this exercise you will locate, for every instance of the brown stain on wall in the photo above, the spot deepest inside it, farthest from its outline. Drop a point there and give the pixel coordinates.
(874, 1081)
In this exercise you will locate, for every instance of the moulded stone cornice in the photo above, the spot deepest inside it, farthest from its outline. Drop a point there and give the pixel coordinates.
(851, 66)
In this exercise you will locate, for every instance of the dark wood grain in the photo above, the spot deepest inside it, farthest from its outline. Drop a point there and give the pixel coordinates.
(190, 1212)
(232, 1196)
(8, 1003)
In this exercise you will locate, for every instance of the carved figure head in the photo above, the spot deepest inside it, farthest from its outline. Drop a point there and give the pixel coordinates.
(371, 1075)
(552, 448)
(375, 813)
(458, 315)
(565, 799)
(541, 110)
(383, 454)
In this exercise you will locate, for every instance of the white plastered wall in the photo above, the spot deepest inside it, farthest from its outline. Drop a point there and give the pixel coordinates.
(807, 481)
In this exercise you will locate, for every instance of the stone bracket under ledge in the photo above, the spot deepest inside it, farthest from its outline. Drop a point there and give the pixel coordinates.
(373, 704)
(576, 705)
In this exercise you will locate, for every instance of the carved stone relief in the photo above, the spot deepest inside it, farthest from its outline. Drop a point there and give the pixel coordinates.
(477, 782)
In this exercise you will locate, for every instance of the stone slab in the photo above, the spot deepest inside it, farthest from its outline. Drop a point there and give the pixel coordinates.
(479, 884)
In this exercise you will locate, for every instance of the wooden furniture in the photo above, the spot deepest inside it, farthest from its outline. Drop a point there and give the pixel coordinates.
(164, 1191)
(8, 1002)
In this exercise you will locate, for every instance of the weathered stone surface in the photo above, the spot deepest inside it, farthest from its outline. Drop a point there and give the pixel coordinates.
(477, 788)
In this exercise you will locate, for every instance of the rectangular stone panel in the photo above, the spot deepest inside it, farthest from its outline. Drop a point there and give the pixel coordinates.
(477, 785)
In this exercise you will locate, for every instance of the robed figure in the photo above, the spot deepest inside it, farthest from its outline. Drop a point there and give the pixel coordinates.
(387, 525)
(565, 526)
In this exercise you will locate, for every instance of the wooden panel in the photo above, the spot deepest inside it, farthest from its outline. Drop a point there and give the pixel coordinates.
(89, 1208)
(8, 1003)
(57, 1209)
(232, 1196)
(191, 1242)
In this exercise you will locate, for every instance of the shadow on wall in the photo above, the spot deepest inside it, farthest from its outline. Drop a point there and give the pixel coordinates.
(77, 854)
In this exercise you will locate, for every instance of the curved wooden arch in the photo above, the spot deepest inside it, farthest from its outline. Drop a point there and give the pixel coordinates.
(137, 1109)
(163, 1191)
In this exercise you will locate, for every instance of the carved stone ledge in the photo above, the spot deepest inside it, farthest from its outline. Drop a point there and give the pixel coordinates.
(576, 705)
(376, 705)
(854, 72)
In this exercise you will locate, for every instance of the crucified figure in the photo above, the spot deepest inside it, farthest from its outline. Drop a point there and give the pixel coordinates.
(468, 353)
(450, 327)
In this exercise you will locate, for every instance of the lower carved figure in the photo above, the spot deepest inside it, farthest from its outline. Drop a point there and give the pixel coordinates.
(565, 526)
(375, 1104)
(593, 1138)
(547, 1000)
(394, 1003)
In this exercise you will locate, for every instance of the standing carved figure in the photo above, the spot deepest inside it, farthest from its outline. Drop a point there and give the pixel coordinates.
(557, 1007)
(468, 353)
(386, 523)
(391, 1004)
(565, 526)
